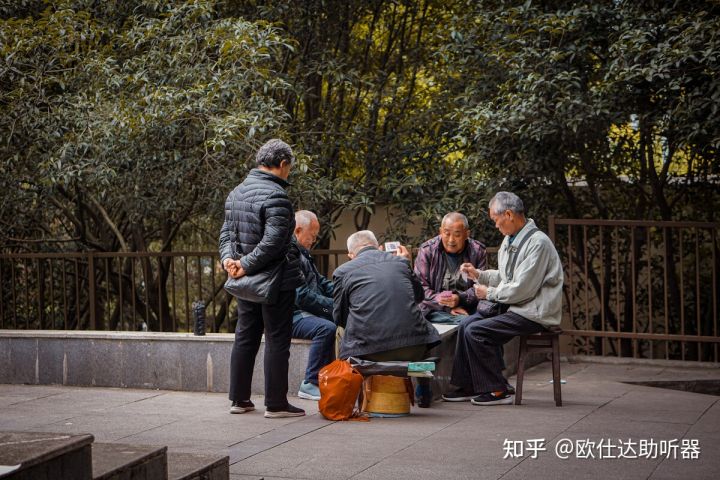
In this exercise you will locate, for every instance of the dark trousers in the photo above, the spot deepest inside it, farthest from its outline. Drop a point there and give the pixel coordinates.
(322, 349)
(276, 322)
(478, 360)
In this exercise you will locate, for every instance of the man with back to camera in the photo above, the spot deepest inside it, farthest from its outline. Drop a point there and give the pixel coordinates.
(528, 283)
(312, 319)
(375, 299)
(257, 233)
(449, 297)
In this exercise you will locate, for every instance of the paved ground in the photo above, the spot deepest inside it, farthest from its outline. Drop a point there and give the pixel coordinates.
(447, 441)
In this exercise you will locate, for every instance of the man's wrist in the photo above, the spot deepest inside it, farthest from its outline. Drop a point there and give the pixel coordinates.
(490, 295)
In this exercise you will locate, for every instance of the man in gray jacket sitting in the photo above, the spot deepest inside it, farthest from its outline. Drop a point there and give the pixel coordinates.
(527, 285)
(375, 299)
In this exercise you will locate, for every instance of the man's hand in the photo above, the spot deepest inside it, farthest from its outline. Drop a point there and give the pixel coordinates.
(481, 291)
(233, 267)
(451, 301)
(469, 270)
(402, 251)
(459, 311)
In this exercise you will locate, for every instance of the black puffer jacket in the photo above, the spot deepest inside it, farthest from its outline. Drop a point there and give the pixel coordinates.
(259, 225)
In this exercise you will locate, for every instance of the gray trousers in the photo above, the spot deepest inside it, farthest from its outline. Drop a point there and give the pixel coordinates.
(478, 360)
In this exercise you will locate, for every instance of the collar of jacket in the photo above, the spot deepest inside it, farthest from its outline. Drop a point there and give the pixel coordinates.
(302, 249)
(365, 249)
(256, 172)
(529, 225)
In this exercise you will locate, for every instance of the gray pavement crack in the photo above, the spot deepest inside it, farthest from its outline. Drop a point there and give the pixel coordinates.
(410, 446)
(148, 430)
(683, 436)
(35, 398)
(564, 430)
(258, 442)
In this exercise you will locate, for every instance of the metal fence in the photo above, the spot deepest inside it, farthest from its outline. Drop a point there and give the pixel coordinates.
(121, 291)
(640, 288)
(111, 291)
(632, 288)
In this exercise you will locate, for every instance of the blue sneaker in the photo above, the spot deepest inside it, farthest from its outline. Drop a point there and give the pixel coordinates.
(308, 391)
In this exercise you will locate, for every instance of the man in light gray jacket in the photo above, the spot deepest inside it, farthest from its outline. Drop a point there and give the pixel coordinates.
(528, 287)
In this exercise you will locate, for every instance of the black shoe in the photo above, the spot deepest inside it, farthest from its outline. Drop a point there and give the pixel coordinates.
(492, 398)
(242, 406)
(510, 389)
(288, 411)
(459, 395)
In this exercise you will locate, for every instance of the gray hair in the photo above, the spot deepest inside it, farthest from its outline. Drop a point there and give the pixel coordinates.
(303, 218)
(503, 201)
(273, 153)
(358, 240)
(453, 217)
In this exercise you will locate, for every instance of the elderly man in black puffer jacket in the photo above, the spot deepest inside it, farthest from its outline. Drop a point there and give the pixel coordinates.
(257, 233)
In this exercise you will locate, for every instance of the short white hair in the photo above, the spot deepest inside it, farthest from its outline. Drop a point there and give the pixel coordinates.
(504, 201)
(358, 240)
(304, 218)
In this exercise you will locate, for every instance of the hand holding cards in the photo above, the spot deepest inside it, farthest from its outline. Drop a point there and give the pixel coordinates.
(392, 247)
(469, 272)
(447, 298)
(445, 295)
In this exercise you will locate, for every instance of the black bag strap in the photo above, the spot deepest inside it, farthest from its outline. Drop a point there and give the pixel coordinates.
(517, 251)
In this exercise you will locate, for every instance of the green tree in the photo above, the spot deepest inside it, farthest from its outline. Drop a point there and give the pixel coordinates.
(367, 104)
(117, 134)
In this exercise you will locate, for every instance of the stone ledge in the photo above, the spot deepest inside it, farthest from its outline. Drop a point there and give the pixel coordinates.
(155, 360)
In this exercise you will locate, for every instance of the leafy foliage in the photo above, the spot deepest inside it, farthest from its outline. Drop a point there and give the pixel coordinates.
(118, 136)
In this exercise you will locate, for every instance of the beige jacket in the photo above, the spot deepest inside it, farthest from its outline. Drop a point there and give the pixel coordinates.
(534, 289)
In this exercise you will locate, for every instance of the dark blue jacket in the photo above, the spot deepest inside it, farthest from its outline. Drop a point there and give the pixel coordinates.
(259, 225)
(316, 295)
(376, 297)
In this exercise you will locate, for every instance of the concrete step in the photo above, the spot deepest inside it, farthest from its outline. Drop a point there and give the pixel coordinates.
(117, 461)
(45, 456)
(190, 466)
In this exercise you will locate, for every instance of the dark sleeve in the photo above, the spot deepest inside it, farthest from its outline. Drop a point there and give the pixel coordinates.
(313, 301)
(325, 286)
(418, 291)
(482, 259)
(422, 272)
(273, 245)
(341, 304)
(226, 237)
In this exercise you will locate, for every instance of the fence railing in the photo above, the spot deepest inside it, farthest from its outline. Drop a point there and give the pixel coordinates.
(640, 288)
(110, 291)
(632, 288)
(121, 291)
